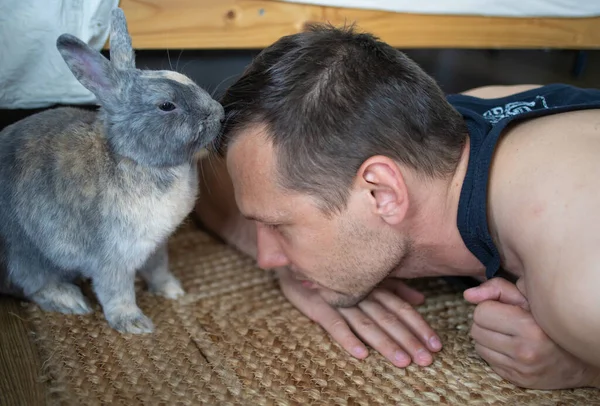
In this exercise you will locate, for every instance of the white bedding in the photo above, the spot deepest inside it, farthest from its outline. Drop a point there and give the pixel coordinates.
(505, 8)
(32, 72)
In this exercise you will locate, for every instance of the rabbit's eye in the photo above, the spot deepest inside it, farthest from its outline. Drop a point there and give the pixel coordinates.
(167, 106)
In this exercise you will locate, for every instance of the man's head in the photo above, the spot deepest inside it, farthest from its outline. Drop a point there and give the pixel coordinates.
(323, 134)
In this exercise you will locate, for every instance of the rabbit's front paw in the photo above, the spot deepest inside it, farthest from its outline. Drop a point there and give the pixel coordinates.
(129, 322)
(61, 297)
(171, 289)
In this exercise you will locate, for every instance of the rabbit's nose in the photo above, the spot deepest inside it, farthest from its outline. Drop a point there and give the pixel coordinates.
(219, 113)
(216, 112)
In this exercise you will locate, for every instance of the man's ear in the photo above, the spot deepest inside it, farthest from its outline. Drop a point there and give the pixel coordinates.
(382, 178)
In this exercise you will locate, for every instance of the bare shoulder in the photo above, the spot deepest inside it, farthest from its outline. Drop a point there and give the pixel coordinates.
(496, 91)
(545, 175)
(545, 200)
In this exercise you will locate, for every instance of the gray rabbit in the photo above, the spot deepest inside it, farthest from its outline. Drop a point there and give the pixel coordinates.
(95, 195)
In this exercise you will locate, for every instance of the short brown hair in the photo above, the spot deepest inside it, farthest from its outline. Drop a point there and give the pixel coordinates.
(331, 98)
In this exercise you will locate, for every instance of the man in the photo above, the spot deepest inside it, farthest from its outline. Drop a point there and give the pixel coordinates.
(346, 169)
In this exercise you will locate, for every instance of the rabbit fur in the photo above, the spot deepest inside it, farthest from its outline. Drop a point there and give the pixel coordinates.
(96, 194)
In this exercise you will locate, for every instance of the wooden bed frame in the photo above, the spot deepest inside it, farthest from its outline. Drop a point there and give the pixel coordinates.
(255, 24)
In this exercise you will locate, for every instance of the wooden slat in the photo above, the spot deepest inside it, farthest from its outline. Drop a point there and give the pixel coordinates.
(242, 24)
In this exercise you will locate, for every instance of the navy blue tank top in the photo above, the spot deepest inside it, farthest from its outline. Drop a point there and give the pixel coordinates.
(486, 119)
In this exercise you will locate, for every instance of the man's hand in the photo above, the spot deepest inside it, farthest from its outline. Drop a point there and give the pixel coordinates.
(508, 337)
(385, 320)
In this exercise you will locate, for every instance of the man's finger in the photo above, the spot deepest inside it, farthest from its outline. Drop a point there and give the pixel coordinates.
(504, 373)
(373, 335)
(405, 292)
(410, 317)
(334, 323)
(494, 358)
(501, 343)
(499, 317)
(311, 304)
(397, 330)
(504, 366)
(497, 289)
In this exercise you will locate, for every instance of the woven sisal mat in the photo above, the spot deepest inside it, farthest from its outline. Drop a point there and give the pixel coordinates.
(235, 340)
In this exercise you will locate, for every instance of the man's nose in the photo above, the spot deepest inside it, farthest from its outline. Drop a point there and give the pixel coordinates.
(270, 255)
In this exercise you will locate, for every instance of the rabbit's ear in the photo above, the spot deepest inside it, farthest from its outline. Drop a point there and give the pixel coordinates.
(121, 51)
(89, 66)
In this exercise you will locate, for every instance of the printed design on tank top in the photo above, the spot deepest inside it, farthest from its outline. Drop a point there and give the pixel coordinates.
(498, 113)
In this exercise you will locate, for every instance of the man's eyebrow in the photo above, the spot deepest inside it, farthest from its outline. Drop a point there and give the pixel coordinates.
(262, 219)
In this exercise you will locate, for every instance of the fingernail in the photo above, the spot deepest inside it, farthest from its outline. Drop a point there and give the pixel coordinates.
(435, 343)
(401, 357)
(359, 351)
(424, 356)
